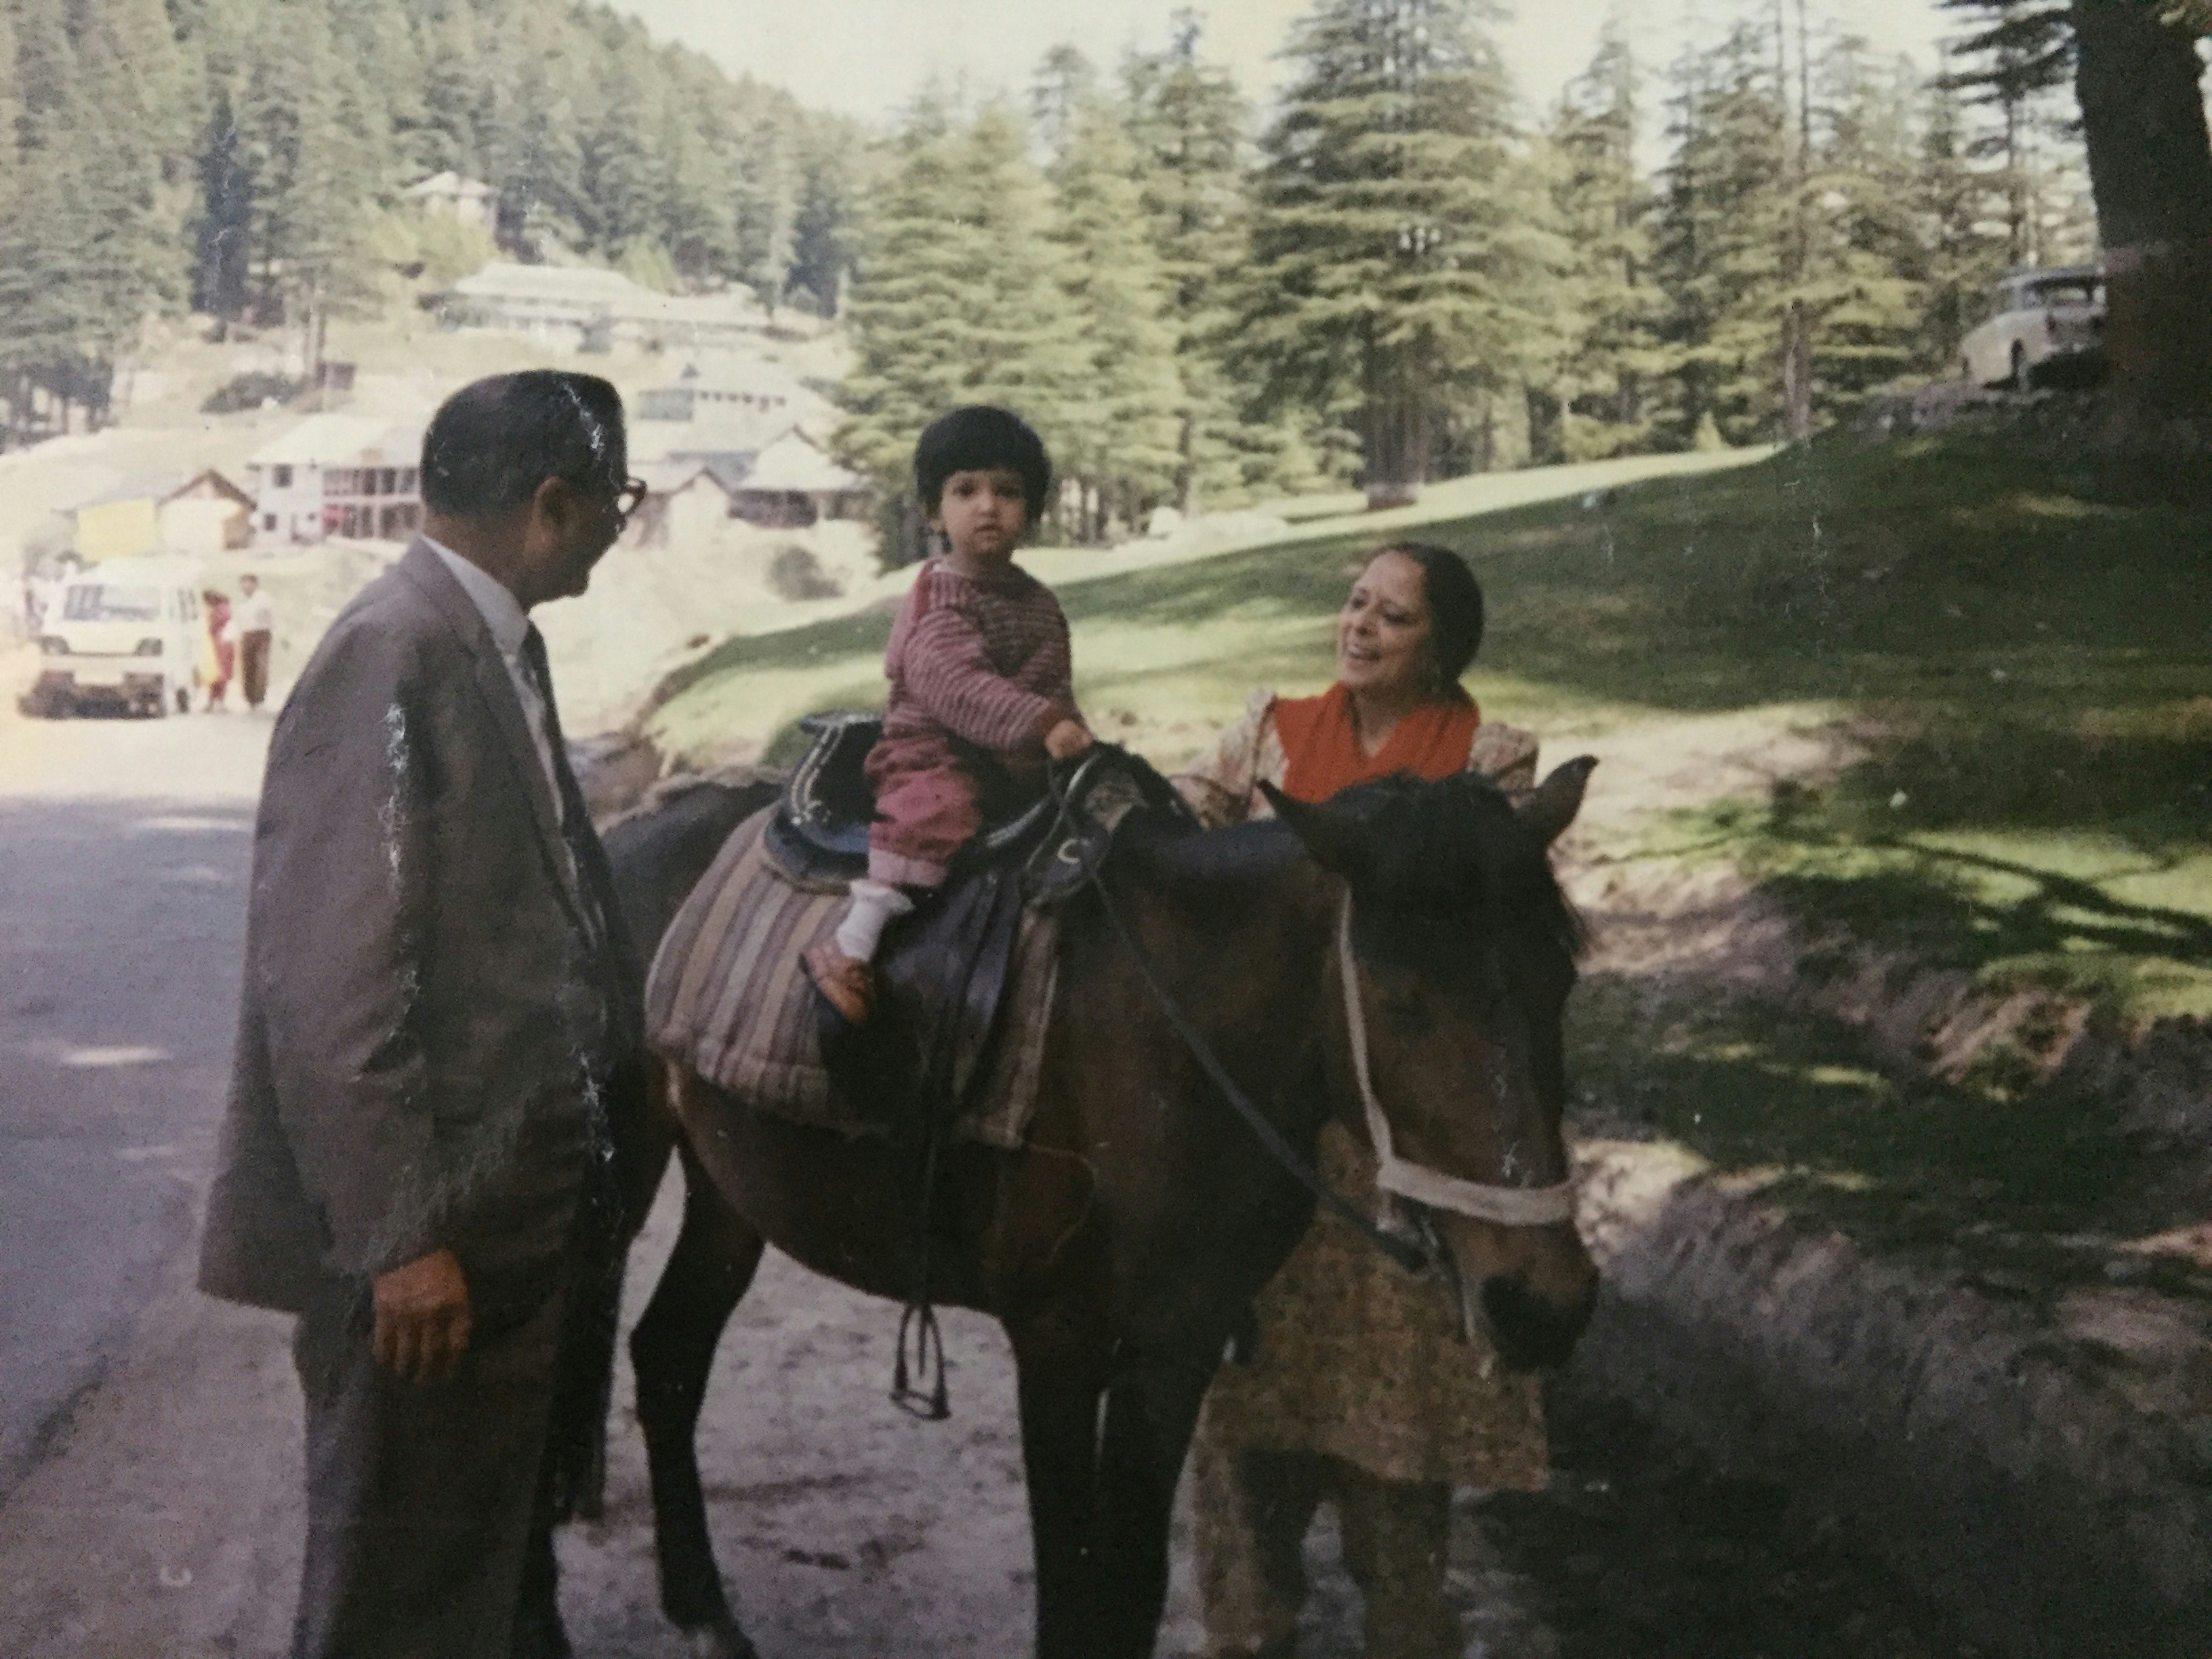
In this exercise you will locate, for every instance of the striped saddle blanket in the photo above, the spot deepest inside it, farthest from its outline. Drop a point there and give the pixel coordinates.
(729, 999)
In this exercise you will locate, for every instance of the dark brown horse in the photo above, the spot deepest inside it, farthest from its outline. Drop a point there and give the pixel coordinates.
(1120, 1249)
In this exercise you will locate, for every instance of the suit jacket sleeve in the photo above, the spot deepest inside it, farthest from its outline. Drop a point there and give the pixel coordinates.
(338, 934)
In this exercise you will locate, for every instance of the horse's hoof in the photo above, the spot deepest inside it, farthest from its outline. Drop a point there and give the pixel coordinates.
(721, 1640)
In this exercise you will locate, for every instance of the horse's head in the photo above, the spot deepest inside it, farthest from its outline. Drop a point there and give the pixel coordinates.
(1463, 951)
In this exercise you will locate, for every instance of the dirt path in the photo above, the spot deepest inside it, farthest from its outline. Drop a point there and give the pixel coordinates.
(160, 1515)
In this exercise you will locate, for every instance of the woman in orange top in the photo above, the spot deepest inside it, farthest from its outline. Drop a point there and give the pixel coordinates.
(1358, 1393)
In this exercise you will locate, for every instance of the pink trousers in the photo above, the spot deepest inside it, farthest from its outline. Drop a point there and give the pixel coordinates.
(925, 811)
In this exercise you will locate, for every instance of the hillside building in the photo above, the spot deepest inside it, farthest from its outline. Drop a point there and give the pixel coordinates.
(791, 484)
(450, 195)
(338, 475)
(202, 514)
(683, 503)
(584, 308)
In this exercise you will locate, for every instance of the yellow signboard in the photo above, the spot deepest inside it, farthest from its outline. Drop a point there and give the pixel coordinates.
(118, 529)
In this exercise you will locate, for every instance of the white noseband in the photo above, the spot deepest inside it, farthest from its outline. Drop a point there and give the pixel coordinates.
(1507, 1206)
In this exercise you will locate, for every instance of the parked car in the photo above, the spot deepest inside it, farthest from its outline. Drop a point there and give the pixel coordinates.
(123, 633)
(2047, 322)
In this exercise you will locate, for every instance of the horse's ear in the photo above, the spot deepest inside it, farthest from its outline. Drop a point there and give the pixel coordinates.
(1332, 838)
(1551, 806)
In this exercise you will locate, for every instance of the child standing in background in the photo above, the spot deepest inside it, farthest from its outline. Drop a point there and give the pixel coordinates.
(980, 683)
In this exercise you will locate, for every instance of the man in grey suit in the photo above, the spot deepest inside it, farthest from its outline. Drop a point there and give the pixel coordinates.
(440, 1010)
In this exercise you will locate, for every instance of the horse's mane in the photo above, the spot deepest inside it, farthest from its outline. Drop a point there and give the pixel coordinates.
(1446, 864)
(1450, 862)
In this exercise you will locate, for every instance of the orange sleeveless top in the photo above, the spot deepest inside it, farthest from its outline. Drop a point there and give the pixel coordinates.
(1321, 743)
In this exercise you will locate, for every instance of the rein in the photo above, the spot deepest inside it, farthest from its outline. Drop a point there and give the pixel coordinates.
(1405, 1252)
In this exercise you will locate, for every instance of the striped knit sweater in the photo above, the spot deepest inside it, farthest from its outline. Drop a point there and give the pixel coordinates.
(983, 661)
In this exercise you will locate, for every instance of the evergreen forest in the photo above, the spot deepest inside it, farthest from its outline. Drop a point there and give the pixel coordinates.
(1400, 271)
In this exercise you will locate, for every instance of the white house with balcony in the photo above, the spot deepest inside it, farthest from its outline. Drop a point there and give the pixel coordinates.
(337, 475)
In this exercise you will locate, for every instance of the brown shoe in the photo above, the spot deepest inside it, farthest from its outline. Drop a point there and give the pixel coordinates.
(846, 983)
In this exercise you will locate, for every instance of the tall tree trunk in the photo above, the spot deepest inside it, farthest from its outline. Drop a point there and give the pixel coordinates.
(1186, 467)
(1796, 373)
(1396, 422)
(2150, 170)
(1546, 420)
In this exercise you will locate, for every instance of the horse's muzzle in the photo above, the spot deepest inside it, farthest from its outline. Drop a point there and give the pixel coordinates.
(1531, 1332)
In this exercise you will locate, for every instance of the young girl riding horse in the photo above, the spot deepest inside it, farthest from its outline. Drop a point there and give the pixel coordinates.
(980, 683)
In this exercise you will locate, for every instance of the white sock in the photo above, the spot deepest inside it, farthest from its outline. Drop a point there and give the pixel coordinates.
(874, 904)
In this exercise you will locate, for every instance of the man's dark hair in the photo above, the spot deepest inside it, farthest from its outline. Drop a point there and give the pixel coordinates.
(1455, 600)
(495, 440)
(972, 439)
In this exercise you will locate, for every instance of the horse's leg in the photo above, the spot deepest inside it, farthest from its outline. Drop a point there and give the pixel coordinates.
(1060, 1378)
(672, 1350)
(1150, 1413)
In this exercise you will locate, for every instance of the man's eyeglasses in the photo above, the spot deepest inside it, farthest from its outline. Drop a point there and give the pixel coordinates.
(628, 499)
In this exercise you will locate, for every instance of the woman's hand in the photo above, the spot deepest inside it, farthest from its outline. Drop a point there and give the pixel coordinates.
(1068, 740)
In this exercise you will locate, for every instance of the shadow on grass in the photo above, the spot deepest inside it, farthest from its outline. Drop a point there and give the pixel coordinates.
(2022, 856)
(1971, 1175)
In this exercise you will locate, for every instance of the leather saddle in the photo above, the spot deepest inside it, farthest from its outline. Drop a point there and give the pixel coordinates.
(942, 972)
(819, 834)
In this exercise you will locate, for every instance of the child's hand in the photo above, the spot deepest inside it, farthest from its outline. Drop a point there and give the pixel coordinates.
(1068, 740)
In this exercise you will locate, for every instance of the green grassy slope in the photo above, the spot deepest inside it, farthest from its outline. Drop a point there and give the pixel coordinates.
(2020, 634)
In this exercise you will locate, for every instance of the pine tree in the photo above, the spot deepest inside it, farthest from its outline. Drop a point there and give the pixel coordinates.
(14, 386)
(130, 94)
(955, 298)
(822, 228)
(531, 148)
(1065, 85)
(221, 224)
(1188, 120)
(1956, 207)
(763, 158)
(1597, 406)
(41, 253)
(2140, 80)
(1721, 240)
(1401, 253)
(2014, 57)
(1859, 295)
(311, 176)
(1121, 419)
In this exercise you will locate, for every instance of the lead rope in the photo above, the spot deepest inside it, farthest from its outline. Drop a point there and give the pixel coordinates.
(1406, 1254)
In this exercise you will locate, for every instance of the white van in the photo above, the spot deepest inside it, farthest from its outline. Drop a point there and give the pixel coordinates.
(122, 634)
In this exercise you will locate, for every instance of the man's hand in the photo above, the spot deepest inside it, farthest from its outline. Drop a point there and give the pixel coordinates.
(422, 1318)
(1068, 740)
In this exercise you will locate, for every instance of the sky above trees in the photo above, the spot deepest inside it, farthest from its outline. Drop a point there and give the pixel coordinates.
(869, 58)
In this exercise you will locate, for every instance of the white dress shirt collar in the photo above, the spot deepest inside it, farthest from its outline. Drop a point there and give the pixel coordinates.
(503, 615)
(502, 611)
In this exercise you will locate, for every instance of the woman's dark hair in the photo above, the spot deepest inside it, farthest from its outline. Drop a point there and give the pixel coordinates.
(972, 439)
(495, 440)
(1454, 605)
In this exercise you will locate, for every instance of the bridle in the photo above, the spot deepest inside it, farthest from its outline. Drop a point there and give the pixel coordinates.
(1506, 1206)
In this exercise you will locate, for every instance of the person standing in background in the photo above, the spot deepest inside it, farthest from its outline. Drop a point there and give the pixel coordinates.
(254, 621)
(219, 659)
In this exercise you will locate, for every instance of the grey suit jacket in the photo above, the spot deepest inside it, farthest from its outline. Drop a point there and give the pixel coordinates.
(427, 1023)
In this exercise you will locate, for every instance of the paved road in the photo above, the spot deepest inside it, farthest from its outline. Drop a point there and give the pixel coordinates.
(124, 850)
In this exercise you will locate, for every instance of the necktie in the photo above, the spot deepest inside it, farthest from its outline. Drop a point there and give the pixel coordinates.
(576, 817)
